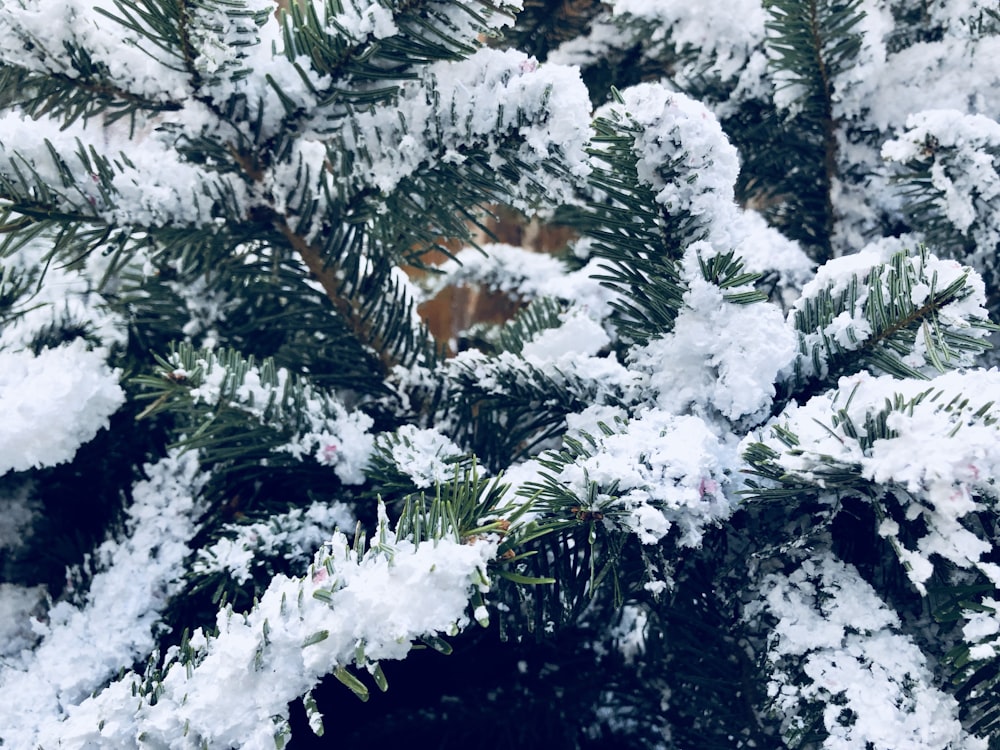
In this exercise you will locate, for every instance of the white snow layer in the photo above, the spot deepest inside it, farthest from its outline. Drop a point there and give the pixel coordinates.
(724, 34)
(295, 536)
(150, 184)
(58, 298)
(53, 403)
(36, 35)
(524, 275)
(960, 150)
(669, 472)
(720, 356)
(872, 683)
(349, 610)
(481, 101)
(331, 434)
(82, 647)
(424, 455)
(18, 512)
(943, 451)
(679, 135)
(852, 329)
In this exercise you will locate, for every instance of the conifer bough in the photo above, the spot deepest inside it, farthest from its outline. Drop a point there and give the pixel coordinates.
(732, 463)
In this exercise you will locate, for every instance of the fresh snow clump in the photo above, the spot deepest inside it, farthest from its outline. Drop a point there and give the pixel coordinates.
(53, 403)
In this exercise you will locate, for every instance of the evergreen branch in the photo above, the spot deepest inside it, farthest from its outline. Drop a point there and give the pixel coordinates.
(539, 315)
(378, 321)
(910, 303)
(238, 410)
(810, 43)
(372, 57)
(71, 98)
(640, 241)
(832, 622)
(507, 406)
(856, 443)
(650, 496)
(331, 279)
(373, 61)
(947, 173)
(305, 616)
(409, 461)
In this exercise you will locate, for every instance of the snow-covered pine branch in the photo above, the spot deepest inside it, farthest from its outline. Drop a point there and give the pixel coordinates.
(727, 475)
(353, 609)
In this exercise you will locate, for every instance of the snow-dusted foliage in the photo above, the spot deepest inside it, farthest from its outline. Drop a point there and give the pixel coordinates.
(834, 644)
(654, 474)
(723, 357)
(477, 101)
(351, 609)
(874, 427)
(291, 537)
(321, 426)
(725, 476)
(79, 647)
(950, 159)
(853, 304)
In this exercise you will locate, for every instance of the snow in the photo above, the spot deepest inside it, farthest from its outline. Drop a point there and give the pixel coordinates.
(524, 275)
(873, 684)
(424, 455)
(293, 536)
(687, 160)
(577, 334)
(659, 455)
(17, 637)
(653, 473)
(350, 609)
(53, 403)
(629, 633)
(959, 150)
(66, 299)
(35, 35)
(723, 34)
(939, 452)
(146, 185)
(845, 282)
(19, 510)
(81, 647)
(720, 356)
(982, 630)
(491, 100)
(683, 155)
(326, 430)
(602, 378)
(357, 23)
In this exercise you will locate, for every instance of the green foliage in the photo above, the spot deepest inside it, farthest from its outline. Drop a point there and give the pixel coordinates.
(277, 331)
(640, 242)
(518, 408)
(896, 309)
(809, 43)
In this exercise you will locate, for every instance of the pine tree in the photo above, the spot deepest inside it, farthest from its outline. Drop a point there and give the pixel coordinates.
(727, 478)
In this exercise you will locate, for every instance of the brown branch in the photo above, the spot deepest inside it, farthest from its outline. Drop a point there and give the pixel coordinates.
(327, 274)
